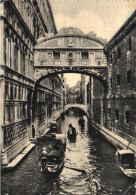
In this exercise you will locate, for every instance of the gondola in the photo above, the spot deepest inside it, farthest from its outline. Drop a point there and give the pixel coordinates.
(126, 162)
(55, 157)
(55, 161)
(49, 136)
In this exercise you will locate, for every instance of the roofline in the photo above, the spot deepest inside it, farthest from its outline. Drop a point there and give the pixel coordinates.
(121, 28)
(71, 35)
(49, 5)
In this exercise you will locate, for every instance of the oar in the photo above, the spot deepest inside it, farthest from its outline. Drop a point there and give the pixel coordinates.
(75, 169)
(68, 149)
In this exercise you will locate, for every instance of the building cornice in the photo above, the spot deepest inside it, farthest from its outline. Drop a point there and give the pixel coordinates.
(122, 32)
(6, 68)
(71, 35)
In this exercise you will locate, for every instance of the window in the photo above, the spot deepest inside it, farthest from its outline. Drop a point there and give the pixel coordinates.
(23, 111)
(118, 79)
(7, 113)
(6, 91)
(112, 57)
(19, 92)
(23, 64)
(56, 55)
(16, 57)
(11, 92)
(127, 116)
(129, 76)
(116, 115)
(109, 113)
(130, 45)
(70, 55)
(98, 63)
(119, 53)
(15, 92)
(84, 55)
(111, 82)
(11, 113)
(22, 94)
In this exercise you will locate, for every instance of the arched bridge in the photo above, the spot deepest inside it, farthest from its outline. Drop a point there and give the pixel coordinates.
(70, 51)
(80, 106)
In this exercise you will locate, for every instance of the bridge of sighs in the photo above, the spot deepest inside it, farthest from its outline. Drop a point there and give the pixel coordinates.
(70, 51)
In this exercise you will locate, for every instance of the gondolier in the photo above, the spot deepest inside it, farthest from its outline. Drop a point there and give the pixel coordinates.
(43, 158)
(71, 132)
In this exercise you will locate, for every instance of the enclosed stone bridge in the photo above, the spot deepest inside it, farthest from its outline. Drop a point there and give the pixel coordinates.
(70, 51)
(79, 106)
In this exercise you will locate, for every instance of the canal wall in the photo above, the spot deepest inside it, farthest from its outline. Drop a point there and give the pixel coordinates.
(113, 138)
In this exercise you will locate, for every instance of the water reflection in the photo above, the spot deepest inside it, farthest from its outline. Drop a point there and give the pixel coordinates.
(89, 152)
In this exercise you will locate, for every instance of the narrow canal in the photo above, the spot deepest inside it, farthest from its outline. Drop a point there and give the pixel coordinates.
(89, 151)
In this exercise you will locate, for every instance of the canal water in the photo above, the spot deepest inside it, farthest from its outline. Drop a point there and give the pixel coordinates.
(89, 152)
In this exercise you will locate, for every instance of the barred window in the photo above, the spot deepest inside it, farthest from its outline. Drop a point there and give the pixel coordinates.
(85, 55)
(118, 79)
(129, 76)
(56, 55)
(116, 115)
(127, 116)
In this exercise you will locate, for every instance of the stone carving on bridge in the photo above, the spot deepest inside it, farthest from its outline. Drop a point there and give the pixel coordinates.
(70, 42)
(39, 73)
(43, 72)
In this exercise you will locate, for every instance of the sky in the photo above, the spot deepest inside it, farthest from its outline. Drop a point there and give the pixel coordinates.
(104, 17)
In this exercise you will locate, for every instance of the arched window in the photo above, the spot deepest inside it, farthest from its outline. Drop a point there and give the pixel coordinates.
(16, 56)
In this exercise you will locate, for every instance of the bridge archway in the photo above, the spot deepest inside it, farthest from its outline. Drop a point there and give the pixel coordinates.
(42, 74)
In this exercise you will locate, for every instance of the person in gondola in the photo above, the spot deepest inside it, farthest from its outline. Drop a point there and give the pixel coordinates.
(58, 145)
(70, 125)
(43, 158)
(70, 131)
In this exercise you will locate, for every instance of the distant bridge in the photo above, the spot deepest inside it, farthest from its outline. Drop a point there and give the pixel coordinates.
(80, 106)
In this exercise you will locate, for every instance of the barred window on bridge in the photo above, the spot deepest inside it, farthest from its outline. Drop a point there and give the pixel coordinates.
(56, 55)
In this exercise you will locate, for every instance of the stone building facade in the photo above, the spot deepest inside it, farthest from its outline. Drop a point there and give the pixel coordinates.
(74, 94)
(121, 101)
(115, 108)
(49, 104)
(22, 22)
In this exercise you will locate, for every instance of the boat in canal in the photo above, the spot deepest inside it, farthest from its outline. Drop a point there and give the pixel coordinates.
(55, 161)
(126, 162)
(71, 134)
(55, 157)
(47, 136)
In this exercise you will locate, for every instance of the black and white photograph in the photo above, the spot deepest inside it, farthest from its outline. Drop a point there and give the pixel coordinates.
(68, 97)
